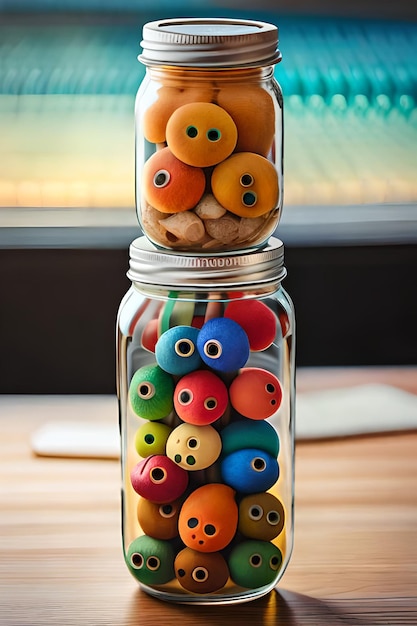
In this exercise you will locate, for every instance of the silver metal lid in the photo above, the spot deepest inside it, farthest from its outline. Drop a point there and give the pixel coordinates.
(216, 42)
(172, 271)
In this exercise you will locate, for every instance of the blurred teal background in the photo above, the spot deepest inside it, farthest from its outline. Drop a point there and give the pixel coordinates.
(69, 74)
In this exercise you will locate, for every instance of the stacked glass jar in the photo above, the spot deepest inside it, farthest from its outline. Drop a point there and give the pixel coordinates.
(205, 334)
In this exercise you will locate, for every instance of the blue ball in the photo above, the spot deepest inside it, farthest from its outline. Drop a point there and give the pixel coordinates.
(176, 350)
(249, 470)
(223, 344)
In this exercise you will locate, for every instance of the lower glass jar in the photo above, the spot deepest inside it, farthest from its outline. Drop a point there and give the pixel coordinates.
(206, 385)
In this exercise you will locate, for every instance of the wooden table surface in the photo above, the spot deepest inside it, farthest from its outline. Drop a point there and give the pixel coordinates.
(354, 560)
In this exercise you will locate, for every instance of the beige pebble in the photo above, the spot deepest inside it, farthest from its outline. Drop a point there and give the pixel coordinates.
(208, 208)
(224, 229)
(185, 226)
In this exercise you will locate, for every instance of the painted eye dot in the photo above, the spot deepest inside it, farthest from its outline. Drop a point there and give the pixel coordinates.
(255, 560)
(181, 573)
(255, 512)
(213, 134)
(193, 443)
(213, 349)
(153, 563)
(146, 391)
(190, 460)
(210, 530)
(158, 475)
(161, 178)
(185, 397)
(273, 518)
(246, 180)
(184, 347)
(274, 562)
(249, 198)
(167, 511)
(191, 132)
(200, 574)
(192, 522)
(137, 560)
(258, 464)
(149, 439)
(178, 458)
(270, 388)
(210, 403)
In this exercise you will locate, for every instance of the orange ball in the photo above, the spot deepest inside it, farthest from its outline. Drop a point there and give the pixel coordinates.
(171, 186)
(201, 134)
(169, 98)
(246, 184)
(252, 110)
(208, 518)
(256, 393)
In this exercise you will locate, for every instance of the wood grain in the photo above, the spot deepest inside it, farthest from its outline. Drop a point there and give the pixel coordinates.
(354, 560)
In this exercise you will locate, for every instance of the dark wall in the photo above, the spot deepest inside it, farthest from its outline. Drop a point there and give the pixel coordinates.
(354, 306)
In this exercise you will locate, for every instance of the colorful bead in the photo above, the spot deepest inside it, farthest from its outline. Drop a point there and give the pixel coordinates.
(201, 572)
(201, 134)
(150, 335)
(169, 185)
(200, 398)
(223, 344)
(246, 184)
(255, 393)
(151, 561)
(194, 447)
(254, 564)
(150, 392)
(151, 438)
(208, 518)
(176, 350)
(261, 516)
(159, 520)
(247, 433)
(159, 479)
(249, 470)
(256, 319)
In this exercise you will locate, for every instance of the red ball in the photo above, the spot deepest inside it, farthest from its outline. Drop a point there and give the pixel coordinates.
(256, 393)
(200, 397)
(159, 479)
(256, 319)
(150, 335)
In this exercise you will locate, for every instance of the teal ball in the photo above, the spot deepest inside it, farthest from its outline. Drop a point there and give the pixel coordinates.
(150, 392)
(247, 433)
(150, 560)
(255, 564)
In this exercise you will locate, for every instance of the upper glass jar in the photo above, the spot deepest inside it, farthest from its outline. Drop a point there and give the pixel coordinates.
(209, 126)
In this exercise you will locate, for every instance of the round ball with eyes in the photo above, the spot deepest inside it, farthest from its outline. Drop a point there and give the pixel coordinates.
(201, 134)
(246, 184)
(249, 470)
(201, 572)
(254, 563)
(159, 479)
(150, 392)
(255, 393)
(200, 398)
(176, 350)
(151, 438)
(256, 319)
(247, 433)
(159, 520)
(223, 344)
(208, 518)
(261, 516)
(194, 447)
(169, 185)
(151, 561)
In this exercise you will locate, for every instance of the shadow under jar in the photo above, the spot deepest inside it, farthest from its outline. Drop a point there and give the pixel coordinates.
(206, 389)
(209, 144)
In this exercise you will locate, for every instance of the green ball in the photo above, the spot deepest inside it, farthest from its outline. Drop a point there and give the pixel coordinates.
(151, 561)
(151, 438)
(151, 392)
(254, 564)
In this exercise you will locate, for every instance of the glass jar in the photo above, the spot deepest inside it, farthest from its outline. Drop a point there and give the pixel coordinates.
(205, 382)
(209, 144)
